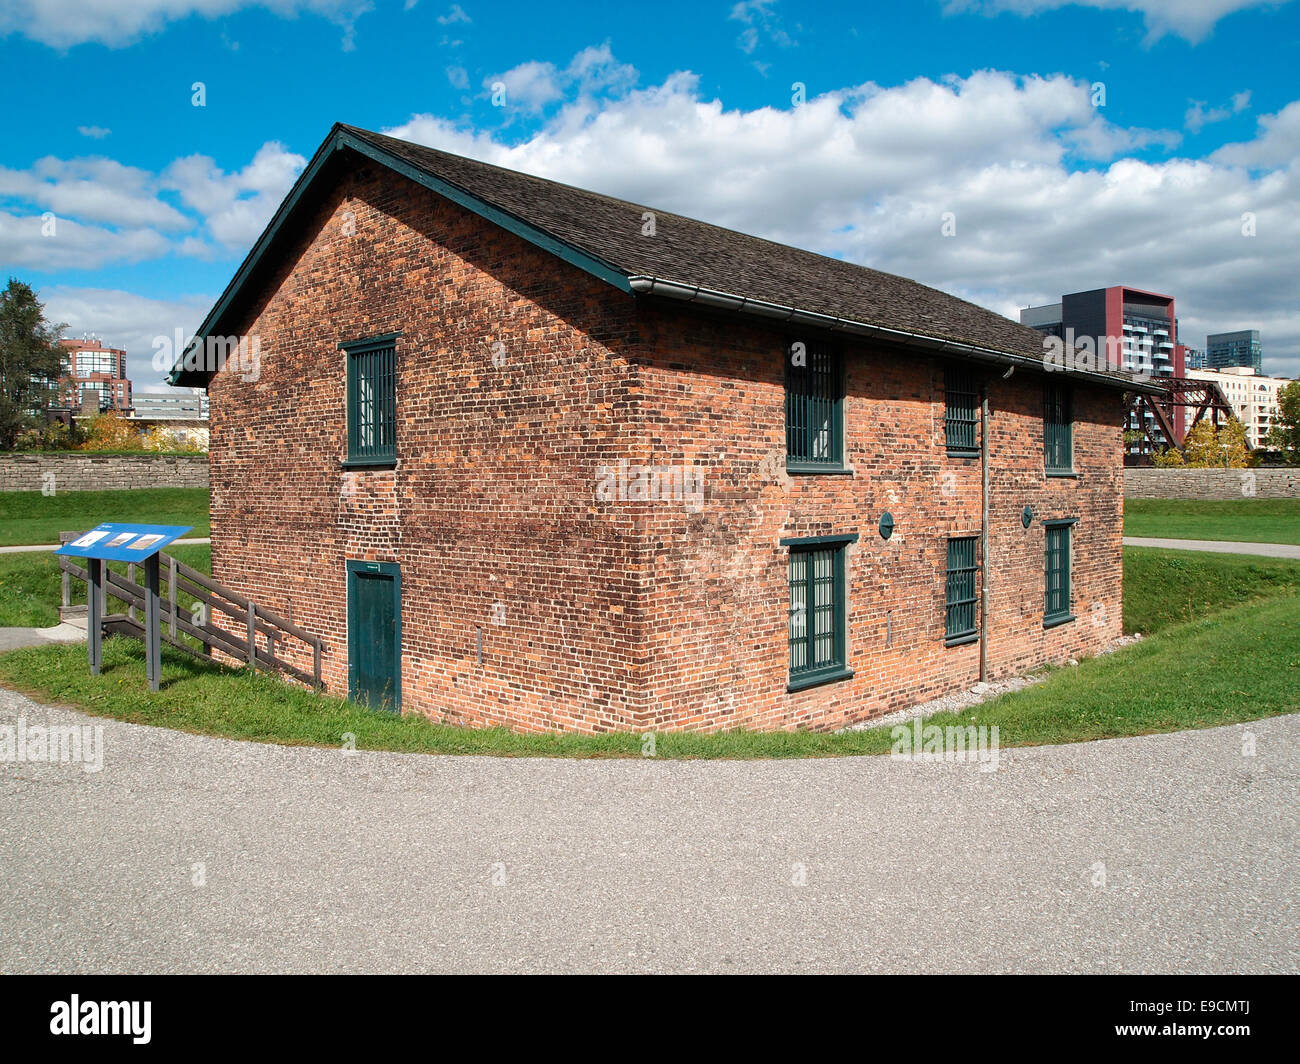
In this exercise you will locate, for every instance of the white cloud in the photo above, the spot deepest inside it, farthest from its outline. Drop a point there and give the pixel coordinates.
(32, 242)
(64, 23)
(126, 320)
(236, 206)
(92, 189)
(1197, 117)
(94, 132)
(533, 86)
(1277, 142)
(455, 14)
(1192, 20)
(865, 173)
(760, 21)
(530, 85)
(105, 212)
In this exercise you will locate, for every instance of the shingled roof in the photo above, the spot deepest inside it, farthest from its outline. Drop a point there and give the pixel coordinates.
(685, 259)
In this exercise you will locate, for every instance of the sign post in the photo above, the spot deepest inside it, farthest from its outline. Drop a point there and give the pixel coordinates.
(125, 543)
(152, 623)
(94, 613)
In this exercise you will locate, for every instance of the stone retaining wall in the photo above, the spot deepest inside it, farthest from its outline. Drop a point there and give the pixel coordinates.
(1150, 483)
(101, 472)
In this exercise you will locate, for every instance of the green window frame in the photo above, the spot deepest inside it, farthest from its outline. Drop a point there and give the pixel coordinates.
(814, 408)
(961, 415)
(960, 598)
(372, 399)
(818, 610)
(1058, 429)
(1056, 569)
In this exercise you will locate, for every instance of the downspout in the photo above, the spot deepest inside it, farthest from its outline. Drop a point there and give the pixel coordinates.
(984, 528)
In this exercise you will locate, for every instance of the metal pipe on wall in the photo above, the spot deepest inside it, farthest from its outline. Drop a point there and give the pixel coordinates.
(984, 528)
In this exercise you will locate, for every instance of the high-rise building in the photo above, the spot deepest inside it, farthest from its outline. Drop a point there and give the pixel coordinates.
(1240, 348)
(1194, 358)
(96, 376)
(1128, 328)
(1252, 396)
(1137, 329)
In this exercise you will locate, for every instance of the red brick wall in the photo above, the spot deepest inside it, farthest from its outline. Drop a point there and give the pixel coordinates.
(718, 595)
(490, 510)
(618, 614)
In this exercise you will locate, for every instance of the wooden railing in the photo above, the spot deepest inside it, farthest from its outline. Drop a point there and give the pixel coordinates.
(262, 629)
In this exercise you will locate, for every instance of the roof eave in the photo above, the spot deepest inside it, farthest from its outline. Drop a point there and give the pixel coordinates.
(646, 285)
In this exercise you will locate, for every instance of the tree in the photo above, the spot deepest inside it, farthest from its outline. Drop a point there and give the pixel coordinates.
(1231, 442)
(1285, 433)
(110, 431)
(1198, 445)
(31, 361)
(1205, 447)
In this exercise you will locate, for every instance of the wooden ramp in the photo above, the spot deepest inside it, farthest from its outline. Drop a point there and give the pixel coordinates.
(260, 637)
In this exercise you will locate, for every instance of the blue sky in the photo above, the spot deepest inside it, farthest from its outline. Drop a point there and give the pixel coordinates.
(985, 109)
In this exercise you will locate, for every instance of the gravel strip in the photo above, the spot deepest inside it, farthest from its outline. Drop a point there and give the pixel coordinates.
(980, 692)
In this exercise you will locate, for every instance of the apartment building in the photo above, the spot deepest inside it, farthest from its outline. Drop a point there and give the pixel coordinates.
(1137, 329)
(1252, 396)
(95, 373)
(1241, 348)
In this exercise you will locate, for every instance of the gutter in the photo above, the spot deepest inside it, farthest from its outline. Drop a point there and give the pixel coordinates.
(642, 284)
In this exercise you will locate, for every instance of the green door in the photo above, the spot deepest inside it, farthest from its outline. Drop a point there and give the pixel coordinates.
(375, 634)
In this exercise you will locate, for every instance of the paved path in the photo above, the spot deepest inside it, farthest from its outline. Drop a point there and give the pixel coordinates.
(13, 638)
(314, 860)
(54, 546)
(1218, 546)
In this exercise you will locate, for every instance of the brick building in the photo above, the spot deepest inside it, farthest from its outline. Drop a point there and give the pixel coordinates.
(528, 455)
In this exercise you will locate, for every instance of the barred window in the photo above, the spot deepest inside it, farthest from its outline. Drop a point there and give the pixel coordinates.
(814, 408)
(961, 412)
(372, 399)
(1056, 608)
(818, 610)
(960, 598)
(1058, 429)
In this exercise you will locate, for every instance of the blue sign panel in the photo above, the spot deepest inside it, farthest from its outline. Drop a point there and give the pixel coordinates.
(123, 543)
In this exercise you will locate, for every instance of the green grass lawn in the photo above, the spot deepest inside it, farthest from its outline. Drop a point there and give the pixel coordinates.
(1189, 674)
(30, 517)
(1167, 587)
(30, 583)
(1238, 520)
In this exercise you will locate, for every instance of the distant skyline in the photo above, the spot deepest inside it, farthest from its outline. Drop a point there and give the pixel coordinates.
(1007, 151)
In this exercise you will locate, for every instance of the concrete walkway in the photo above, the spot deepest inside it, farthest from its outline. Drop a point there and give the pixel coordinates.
(1218, 546)
(186, 853)
(54, 546)
(13, 638)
